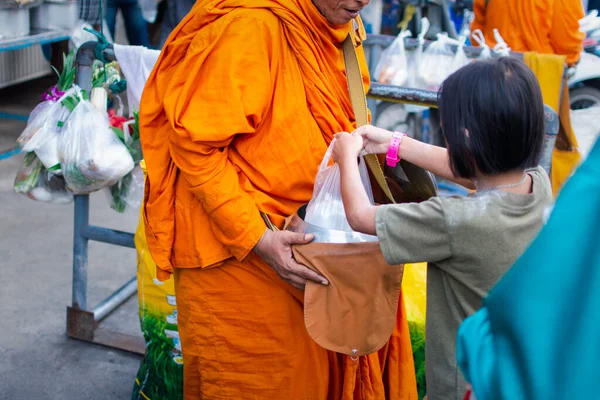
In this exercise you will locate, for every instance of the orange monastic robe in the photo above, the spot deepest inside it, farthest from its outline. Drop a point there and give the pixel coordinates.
(235, 119)
(545, 26)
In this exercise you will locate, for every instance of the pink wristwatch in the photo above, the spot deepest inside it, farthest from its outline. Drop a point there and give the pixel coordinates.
(393, 155)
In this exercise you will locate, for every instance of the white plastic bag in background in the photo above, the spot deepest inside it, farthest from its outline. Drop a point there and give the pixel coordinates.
(436, 62)
(43, 130)
(478, 37)
(460, 58)
(91, 155)
(501, 47)
(79, 36)
(326, 208)
(414, 80)
(392, 68)
(37, 183)
(127, 194)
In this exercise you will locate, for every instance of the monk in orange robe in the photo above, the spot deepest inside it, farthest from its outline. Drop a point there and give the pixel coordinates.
(235, 118)
(544, 26)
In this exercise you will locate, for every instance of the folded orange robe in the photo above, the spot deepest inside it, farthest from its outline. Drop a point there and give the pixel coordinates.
(235, 119)
(545, 26)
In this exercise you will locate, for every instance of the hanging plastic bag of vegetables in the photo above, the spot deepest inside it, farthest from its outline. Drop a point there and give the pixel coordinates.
(45, 121)
(127, 194)
(37, 183)
(91, 155)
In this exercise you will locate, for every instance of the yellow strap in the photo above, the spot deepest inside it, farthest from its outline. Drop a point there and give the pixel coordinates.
(359, 105)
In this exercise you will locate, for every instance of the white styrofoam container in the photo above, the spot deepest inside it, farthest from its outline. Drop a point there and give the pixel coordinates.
(14, 22)
(22, 65)
(54, 14)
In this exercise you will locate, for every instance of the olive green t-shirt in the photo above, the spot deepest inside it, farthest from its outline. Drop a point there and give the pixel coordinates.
(469, 243)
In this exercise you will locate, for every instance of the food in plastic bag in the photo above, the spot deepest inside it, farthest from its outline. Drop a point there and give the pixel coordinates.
(37, 183)
(43, 130)
(436, 62)
(127, 193)
(91, 155)
(478, 37)
(392, 68)
(326, 209)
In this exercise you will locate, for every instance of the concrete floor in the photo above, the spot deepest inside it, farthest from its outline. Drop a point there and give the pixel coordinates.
(37, 360)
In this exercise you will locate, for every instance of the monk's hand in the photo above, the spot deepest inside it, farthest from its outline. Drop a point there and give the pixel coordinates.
(276, 249)
(375, 140)
(346, 147)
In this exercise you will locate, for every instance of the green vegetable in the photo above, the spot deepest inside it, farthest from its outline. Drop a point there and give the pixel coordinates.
(67, 77)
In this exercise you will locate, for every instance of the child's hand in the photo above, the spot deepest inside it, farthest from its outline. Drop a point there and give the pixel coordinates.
(346, 147)
(375, 140)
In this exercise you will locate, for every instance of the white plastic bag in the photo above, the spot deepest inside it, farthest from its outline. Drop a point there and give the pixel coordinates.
(37, 183)
(127, 193)
(460, 58)
(392, 68)
(326, 208)
(414, 66)
(478, 37)
(79, 36)
(436, 62)
(501, 47)
(91, 155)
(43, 130)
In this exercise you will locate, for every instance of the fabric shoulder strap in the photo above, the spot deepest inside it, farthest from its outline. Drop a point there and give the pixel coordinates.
(359, 105)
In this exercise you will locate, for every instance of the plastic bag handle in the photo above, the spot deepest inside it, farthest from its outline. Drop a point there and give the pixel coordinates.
(425, 25)
(501, 46)
(479, 38)
(327, 157)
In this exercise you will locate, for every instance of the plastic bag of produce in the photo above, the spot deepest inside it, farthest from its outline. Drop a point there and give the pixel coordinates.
(91, 155)
(44, 126)
(127, 193)
(436, 62)
(392, 68)
(326, 209)
(37, 183)
(478, 37)
(460, 57)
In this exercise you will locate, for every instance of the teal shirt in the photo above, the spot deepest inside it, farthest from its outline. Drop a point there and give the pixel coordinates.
(538, 333)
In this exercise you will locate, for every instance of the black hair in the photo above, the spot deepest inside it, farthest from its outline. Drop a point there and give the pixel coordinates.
(492, 117)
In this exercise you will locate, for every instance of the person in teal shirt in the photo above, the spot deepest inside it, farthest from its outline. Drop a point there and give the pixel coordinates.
(537, 335)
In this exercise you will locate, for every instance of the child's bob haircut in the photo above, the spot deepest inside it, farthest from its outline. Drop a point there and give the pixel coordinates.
(492, 117)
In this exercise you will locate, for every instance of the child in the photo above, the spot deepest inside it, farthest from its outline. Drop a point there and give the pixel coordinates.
(492, 119)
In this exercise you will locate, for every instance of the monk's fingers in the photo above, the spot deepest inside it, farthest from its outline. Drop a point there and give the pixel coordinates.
(296, 281)
(306, 273)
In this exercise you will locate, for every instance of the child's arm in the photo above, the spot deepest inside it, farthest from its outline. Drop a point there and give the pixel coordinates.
(431, 158)
(359, 210)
